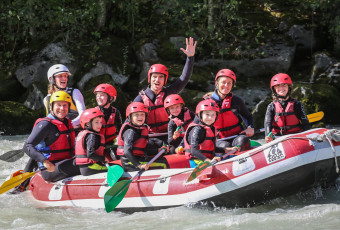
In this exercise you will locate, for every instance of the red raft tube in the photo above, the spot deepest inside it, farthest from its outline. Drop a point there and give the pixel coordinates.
(285, 166)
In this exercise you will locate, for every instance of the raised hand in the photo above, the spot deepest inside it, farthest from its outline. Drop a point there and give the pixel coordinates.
(191, 46)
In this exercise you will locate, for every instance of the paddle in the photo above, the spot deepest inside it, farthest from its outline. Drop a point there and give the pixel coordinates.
(16, 179)
(115, 194)
(12, 155)
(205, 164)
(315, 116)
(114, 172)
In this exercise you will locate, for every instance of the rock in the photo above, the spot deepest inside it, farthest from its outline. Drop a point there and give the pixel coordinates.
(303, 39)
(332, 75)
(322, 62)
(279, 59)
(147, 53)
(143, 75)
(36, 71)
(252, 95)
(35, 98)
(16, 118)
(101, 69)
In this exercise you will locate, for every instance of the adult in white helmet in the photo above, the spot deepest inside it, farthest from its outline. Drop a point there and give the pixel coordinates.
(57, 76)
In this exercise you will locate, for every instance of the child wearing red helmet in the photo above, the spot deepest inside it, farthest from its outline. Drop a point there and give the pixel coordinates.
(106, 94)
(89, 150)
(180, 118)
(133, 147)
(285, 115)
(200, 137)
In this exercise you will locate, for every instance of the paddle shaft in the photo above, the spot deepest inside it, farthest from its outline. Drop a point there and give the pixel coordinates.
(225, 155)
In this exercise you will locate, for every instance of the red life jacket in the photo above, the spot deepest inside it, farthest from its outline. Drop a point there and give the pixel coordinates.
(158, 118)
(81, 156)
(187, 119)
(63, 147)
(207, 147)
(227, 123)
(285, 121)
(109, 128)
(139, 146)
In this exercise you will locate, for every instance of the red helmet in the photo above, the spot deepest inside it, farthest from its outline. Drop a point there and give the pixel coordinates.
(88, 115)
(280, 78)
(207, 105)
(106, 88)
(136, 107)
(173, 99)
(226, 73)
(158, 68)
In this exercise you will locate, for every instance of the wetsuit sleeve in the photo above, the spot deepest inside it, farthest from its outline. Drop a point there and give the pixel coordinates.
(196, 136)
(301, 115)
(183, 80)
(242, 110)
(171, 130)
(44, 131)
(79, 103)
(138, 99)
(269, 118)
(92, 142)
(129, 137)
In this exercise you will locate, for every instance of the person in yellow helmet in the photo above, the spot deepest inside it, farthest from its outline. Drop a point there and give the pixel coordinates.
(58, 76)
(51, 142)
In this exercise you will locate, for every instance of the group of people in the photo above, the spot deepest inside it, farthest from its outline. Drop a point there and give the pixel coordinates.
(156, 119)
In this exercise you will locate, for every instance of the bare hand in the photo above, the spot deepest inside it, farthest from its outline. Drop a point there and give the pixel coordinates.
(249, 132)
(176, 135)
(166, 147)
(144, 166)
(268, 139)
(49, 166)
(190, 50)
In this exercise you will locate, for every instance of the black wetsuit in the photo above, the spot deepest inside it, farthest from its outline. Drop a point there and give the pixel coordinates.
(298, 110)
(91, 143)
(131, 162)
(174, 88)
(173, 144)
(49, 133)
(196, 136)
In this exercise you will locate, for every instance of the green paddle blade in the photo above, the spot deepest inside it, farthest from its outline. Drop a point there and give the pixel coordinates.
(15, 181)
(115, 195)
(198, 170)
(254, 143)
(114, 172)
(12, 156)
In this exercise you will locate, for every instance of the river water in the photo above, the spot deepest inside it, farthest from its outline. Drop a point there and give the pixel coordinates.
(314, 209)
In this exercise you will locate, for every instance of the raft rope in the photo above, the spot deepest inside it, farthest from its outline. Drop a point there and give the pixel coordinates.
(329, 135)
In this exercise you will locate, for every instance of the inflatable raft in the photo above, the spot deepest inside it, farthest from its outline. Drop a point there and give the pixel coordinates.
(282, 167)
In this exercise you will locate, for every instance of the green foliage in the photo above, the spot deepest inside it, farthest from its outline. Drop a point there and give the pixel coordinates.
(212, 22)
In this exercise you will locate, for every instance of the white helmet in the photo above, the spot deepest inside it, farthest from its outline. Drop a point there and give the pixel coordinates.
(56, 69)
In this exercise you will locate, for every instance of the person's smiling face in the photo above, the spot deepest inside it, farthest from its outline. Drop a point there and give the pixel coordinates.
(61, 80)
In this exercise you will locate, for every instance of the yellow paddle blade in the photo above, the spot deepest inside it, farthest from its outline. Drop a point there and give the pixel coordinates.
(315, 116)
(15, 181)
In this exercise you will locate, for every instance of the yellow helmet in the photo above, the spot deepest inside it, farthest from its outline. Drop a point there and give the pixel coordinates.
(60, 96)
